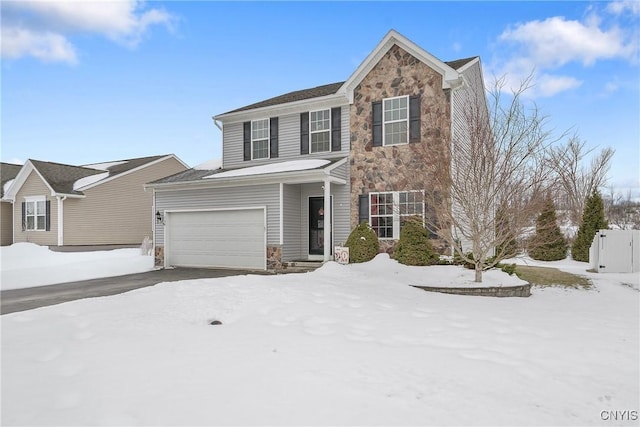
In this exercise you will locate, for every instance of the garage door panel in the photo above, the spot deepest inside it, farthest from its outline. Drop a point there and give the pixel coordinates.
(231, 238)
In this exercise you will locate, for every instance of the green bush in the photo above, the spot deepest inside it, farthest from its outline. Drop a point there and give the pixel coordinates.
(363, 244)
(548, 244)
(507, 268)
(414, 247)
(592, 221)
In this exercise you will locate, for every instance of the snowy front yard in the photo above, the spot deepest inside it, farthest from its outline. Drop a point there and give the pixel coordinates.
(24, 265)
(345, 345)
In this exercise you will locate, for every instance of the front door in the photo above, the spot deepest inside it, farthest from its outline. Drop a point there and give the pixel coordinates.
(316, 226)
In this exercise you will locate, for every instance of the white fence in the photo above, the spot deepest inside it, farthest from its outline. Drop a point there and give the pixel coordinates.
(615, 251)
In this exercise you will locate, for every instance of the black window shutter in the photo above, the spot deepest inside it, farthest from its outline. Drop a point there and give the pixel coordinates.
(24, 216)
(247, 140)
(273, 137)
(336, 127)
(304, 133)
(376, 110)
(363, 209)
(48, 215)
(414, 118)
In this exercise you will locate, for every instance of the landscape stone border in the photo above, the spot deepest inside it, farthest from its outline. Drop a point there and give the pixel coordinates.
(522, 291)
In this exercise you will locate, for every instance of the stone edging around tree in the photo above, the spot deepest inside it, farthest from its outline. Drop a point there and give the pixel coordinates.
(489, 291)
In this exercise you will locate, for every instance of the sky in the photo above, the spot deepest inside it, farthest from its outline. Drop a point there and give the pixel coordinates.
(86, 82)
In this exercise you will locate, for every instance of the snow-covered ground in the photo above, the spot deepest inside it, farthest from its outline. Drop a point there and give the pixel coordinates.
(24, 265)
(344, 345)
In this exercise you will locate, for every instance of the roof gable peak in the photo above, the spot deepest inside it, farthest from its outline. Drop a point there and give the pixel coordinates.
(451, 78)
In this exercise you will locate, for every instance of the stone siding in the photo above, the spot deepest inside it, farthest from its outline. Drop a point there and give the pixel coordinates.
(399, 167)
(274, 257)
(158, 256)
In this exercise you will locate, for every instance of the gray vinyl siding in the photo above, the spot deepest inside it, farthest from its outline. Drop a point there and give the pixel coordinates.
(288, 142)
(341, 171)
(223, 198)
(292, 249)
(462, 98)
(341, 212)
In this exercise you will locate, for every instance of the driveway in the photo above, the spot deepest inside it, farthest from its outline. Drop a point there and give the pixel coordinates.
(13, 300)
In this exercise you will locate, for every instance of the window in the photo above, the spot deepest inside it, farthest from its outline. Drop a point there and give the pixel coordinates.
(396, 120)
(387, 211)
(320, 130)
(260, 139)
(35, 215)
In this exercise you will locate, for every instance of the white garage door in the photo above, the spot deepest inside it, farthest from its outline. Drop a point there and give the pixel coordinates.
(227, 238)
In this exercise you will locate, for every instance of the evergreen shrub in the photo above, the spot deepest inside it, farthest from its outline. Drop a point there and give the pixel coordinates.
(414, 246)
(548, 244)
(363, 244)
(592, 220)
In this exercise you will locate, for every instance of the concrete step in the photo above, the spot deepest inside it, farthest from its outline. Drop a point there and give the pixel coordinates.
(300, 266)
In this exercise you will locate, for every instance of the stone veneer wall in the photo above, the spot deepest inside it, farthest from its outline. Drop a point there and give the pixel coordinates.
(274, 257)
(399, 167)
(158, 256)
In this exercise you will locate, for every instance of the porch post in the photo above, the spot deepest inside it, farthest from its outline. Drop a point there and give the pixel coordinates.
(327, 220)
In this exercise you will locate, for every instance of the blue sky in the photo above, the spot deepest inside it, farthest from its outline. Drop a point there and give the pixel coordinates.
(85, 82)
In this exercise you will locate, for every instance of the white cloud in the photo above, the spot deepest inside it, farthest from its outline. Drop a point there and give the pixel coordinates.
(549, 85)
(620, 7)
(46, 46)
(42, 28)
(557, 41)
(546, 46)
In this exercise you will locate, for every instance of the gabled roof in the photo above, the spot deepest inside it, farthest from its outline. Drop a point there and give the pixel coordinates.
(70, 180)
(8, 172)
(459, 63)
(297, 95)
(60, 177)
(449, 71)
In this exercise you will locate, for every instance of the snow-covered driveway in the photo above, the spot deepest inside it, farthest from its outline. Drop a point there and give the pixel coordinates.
(347, 345)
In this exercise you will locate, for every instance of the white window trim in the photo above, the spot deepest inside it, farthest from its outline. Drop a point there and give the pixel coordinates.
(35, 200)
(262, 139)
(319, 131)
(384, 122)
(397, 216)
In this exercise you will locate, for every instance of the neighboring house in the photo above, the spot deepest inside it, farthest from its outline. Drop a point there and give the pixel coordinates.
(8, 172)
(300, 170)
(99, 204)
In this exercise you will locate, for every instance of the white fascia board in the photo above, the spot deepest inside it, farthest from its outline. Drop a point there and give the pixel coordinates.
(469, 64)
(161, 159)
(21, 178)
(294, 177)
(450, 76)
(318, 103)
(341, 162)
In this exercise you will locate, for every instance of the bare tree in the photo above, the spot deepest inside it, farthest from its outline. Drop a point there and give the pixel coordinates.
(497, 178)
(621, 211)
(576, 180)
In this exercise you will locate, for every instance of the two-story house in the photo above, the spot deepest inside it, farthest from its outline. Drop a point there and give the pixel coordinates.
(300, 170)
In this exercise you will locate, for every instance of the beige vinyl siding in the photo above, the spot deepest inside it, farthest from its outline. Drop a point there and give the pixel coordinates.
(223, 198)
(119, 211)
(34, 186)
(288, 142)
(6, 223)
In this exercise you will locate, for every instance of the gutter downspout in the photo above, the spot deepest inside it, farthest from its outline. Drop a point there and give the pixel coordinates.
(61, 219)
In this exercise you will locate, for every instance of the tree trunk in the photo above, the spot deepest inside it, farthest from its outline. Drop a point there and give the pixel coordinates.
(478, 273)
